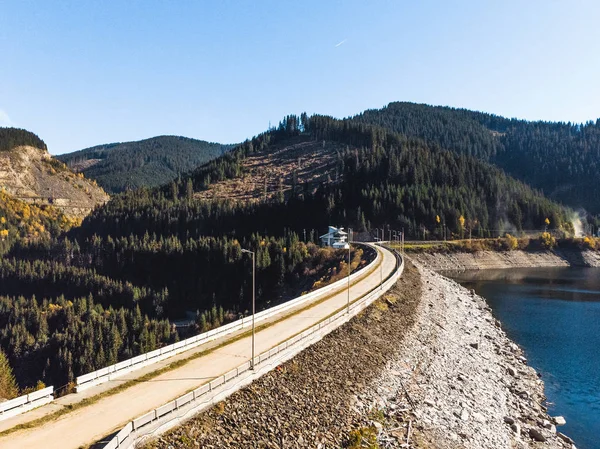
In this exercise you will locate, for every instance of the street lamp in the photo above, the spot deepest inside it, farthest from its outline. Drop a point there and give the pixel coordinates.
(253, 300)
(349, 262)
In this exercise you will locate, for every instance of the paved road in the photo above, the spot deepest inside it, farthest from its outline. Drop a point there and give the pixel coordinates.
(89, 424)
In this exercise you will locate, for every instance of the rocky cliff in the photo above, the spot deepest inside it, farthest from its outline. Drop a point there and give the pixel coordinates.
(33, 175)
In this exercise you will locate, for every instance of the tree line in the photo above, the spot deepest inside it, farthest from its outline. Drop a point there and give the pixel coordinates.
(146, 163)
(560, 159)
(11, 138)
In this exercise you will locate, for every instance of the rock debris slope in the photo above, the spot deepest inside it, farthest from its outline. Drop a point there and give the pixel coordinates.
(470, 384)
(32, 175)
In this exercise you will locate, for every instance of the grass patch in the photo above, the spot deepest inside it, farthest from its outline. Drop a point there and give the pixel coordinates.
(363, 438)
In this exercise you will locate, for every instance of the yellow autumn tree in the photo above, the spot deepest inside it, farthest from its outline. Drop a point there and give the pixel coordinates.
(8, 384)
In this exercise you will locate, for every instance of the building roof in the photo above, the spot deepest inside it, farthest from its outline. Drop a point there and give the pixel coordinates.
(334, 232)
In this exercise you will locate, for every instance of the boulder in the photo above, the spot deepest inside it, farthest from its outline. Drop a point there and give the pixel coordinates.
(559, 420)
(565, 438)
(536, 435)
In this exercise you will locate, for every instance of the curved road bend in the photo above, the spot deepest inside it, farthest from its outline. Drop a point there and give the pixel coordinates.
(89, 424)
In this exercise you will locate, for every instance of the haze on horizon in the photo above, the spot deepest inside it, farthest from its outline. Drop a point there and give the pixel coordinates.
(85, 73)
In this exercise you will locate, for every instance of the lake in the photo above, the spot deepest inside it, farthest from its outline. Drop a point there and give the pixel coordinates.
(554, 315)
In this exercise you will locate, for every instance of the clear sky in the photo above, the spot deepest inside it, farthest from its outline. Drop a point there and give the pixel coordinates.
(81, 73)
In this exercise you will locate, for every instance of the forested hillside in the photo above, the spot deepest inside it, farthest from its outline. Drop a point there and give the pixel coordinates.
(151, 162)
(21, 221)
(560, 159)
(103, 291)
(379, 178)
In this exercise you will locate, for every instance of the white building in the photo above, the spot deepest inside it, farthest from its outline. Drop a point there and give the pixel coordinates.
(335, 238)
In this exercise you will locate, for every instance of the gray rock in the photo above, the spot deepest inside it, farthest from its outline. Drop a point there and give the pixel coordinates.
(474, 345)
(565, 438)
(509, 420)
(516, 428)
(559, 420)
(546, 424)
(478, 417)
(537, 435)
(511, 370)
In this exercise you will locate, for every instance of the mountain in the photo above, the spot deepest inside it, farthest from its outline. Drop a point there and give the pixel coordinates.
(150, 162)
(28, 173)
(560, 159)
(318, 171)
(103, 291)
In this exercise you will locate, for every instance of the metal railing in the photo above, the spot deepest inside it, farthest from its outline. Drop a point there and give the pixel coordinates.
(173, 412)
(126, 366)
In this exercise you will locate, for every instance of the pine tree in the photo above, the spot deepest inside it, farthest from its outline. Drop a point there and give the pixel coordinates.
(8, 384)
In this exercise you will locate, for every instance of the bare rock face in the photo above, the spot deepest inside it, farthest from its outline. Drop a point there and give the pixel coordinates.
(507, 259)
(32, 175)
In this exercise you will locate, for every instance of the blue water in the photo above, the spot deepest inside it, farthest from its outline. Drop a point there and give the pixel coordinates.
(554, 315)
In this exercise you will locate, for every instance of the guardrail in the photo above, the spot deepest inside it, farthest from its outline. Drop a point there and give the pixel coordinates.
(171, 414)
(26, 402)
(119, 369)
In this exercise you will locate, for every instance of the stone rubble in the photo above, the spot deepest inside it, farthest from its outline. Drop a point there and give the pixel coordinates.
(470, 384)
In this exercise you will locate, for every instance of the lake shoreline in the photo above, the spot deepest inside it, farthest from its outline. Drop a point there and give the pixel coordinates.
(482, 260)
(470, 383)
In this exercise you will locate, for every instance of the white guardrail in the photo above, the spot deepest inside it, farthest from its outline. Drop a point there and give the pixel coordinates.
(119, 369)
(26, 402)
(175, 412)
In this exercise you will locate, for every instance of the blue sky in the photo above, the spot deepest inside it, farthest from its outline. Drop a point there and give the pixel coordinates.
(81, 73)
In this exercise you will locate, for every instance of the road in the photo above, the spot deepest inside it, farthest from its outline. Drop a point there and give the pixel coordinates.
(89, 424)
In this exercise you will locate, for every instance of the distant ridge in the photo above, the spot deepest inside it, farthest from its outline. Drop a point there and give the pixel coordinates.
(146, 163)
(560, 159)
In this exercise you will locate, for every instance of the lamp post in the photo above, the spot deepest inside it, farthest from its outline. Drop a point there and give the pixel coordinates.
(253, 300)
(349, 263)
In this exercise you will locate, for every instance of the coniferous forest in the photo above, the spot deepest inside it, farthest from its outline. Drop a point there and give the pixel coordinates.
(11, 138)
(151, 162)
(77, 298)
(560, 159)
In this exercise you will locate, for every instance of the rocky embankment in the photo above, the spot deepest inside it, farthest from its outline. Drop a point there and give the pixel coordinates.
(426, 367)
(470, 385)
(482, 260)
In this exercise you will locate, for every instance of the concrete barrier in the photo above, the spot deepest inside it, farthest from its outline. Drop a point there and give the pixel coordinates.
(170, 415)
(113, 371)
